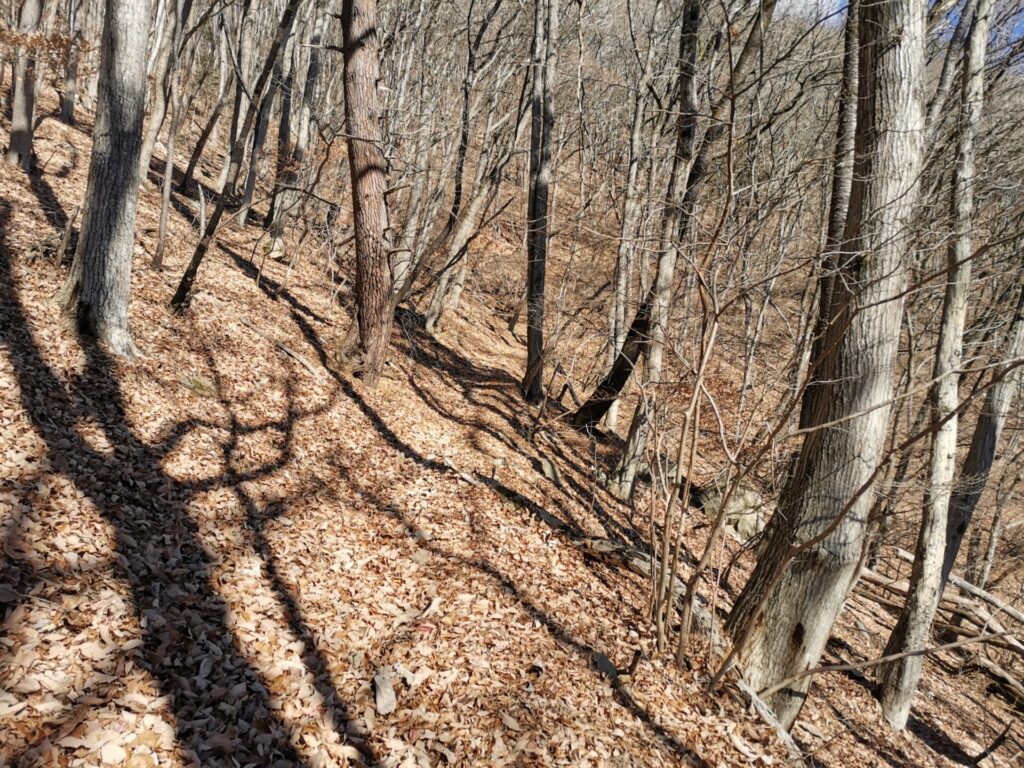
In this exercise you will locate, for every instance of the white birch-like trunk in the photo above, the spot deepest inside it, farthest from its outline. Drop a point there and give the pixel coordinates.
(900, 677)
(784, 616)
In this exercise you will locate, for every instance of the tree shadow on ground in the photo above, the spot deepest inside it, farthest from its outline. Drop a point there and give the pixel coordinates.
(923, 728)
(579, 649)
(222, 710)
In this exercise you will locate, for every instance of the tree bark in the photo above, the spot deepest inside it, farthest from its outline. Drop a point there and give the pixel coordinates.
(23, 106)
(369, 182)
(183, 295)
(98, 288)
(70, 94)
(224, 78)
(672, 227)
(637, 338)
(977, 465)
(284, 198)
(631, 209)
(545, 57)
(180, 13)
(839, 202)
(901, 677)
(784, 615)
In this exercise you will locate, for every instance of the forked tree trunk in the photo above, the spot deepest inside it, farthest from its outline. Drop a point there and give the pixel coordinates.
(545, 57)
(259, 138)
(369, 183)
(183, 295)
(23, 106)
(236, 136)
(162, 81)
(224, 77)
(839, 201)
(913, 628)
(784, 616)
(285, 196)
(631, 210)
(98, 288)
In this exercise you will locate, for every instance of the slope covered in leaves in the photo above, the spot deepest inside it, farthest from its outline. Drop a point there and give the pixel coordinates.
(230, 553)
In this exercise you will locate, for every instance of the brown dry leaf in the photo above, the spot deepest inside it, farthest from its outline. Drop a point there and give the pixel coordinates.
(189, 568)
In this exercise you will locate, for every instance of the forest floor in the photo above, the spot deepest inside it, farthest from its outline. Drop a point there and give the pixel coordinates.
(209, 554)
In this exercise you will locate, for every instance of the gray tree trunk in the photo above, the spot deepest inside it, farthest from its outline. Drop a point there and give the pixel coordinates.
(70, 94)
(784, 616)
(545, 58)
(624, 476)
(839, 203)
(631, 209)
(98, 288)
(977, 465)
(640, 330)
(224, 78)
(183, 295)
(900, 677)
(23, 106)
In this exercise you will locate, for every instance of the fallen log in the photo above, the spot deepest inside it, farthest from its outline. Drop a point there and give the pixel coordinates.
(970, 589)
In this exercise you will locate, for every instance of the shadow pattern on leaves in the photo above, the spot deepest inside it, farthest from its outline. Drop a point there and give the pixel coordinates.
(222, 710)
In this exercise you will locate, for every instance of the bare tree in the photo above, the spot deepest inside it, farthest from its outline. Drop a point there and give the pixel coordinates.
(98, 288)
(70, 93)
(23, 106)
(368, 169)
(900, 677)
(977, 465)
(784, 615)
(545, 58)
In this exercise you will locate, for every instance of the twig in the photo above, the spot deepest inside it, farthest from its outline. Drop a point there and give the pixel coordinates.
(284, 348)
(881, 660)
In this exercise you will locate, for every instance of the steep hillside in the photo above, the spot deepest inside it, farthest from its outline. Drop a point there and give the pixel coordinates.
(230, 553)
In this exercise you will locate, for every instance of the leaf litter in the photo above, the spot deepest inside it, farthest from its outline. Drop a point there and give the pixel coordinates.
(246, 564)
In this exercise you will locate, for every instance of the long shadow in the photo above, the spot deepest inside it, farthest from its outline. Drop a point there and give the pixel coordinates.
(551, 625)
(55, 214)
(221, 707)
(256, 518)
(927, 732)
(270, 287)
(584, 652)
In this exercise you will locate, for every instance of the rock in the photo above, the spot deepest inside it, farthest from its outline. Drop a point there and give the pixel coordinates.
(384, 691)
(747, 512)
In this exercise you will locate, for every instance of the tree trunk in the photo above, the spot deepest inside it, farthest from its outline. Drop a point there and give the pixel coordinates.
(630, 217)
(981, 455)
(369, 182)
(242, 105)
(784, 616)
(183, 295)
(259, 138)
(839, 203)
(99, 285)
(284, 197)
(23, 106)
(636, 343)
(913, 628)
(545, 57)
(70, 95)
(672, 220)
(161, 87)
(224, 78)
